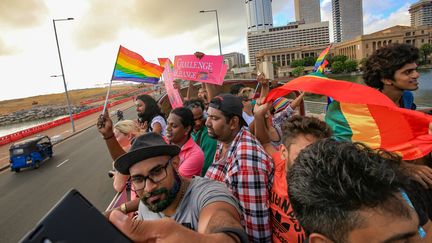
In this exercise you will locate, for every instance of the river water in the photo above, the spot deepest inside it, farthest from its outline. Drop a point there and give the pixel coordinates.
(422, 96)
(9, 129)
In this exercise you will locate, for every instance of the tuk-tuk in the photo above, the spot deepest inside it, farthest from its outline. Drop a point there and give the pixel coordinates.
(30, 152)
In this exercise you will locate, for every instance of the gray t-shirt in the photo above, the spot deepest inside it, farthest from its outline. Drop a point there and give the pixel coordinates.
(200, 193)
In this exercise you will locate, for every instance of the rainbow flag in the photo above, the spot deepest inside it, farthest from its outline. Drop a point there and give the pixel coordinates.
(162, 62)
(130, 66)
(321, 62)
(363, 114)
(322, 66)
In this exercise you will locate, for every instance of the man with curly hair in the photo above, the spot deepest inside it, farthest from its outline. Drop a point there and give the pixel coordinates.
(392, 70)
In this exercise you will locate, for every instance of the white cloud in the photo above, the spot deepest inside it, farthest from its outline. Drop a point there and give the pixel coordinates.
(373, 23)
(153, 28)
(326, 15)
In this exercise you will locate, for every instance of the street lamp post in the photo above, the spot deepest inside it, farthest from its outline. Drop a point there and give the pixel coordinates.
(217, 24)
(61, 66)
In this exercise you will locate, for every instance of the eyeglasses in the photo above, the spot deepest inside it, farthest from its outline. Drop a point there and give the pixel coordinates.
(156, 175)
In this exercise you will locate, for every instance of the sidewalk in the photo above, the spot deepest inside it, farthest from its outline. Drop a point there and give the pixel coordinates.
(64, 130)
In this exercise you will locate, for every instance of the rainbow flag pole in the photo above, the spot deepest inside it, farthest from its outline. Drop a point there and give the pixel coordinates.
(109, 87)
(131, 66)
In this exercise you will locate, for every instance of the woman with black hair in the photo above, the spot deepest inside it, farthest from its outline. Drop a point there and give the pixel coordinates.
(178, 132)
(150, 117)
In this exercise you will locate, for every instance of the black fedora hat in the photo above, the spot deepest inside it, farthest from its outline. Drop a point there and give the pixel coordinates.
(146, 146)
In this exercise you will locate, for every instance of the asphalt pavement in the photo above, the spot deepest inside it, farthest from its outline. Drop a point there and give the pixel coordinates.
(64, 131)
(81, 161)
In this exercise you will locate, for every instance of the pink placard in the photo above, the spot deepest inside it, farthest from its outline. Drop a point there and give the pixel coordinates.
(173, 94)
(208, 69)
(224, 70)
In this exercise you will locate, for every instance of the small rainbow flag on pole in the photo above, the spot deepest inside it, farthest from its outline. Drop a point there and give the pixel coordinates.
(322, 66)
(321, 62)
(130, 66)
(163, 60)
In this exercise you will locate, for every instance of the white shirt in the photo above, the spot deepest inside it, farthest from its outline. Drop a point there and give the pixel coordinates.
(248, 118)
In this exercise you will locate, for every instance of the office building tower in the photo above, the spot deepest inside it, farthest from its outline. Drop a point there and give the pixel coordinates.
(291, 35)
(307, 11)
(347, 19)
(421, 13)
(259, 14)
(234, 59)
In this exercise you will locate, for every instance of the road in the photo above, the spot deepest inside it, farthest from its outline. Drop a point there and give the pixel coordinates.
(81, 162)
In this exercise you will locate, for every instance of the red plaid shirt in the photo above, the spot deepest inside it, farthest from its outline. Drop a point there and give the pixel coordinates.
(247, 170)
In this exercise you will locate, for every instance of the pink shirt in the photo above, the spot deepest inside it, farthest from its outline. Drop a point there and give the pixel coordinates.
(191, 159)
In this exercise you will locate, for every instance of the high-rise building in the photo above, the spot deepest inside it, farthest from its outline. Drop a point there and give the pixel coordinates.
(259, 14)
(421, 13)
(307, 11)
(347, 19)
(291, 35)
(234, 59)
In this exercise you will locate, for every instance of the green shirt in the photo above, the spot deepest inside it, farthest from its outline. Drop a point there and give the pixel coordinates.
(208, 146)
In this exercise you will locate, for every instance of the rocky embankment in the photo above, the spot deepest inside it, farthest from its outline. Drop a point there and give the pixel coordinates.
(39, 112)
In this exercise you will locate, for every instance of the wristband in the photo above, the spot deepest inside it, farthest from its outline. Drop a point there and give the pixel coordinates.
(240, 233)
(109, 137)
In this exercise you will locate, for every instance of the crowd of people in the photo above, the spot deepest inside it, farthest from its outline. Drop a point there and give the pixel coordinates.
(230, 168)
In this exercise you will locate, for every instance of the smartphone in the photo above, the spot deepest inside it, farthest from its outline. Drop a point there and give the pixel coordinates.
(74, 219)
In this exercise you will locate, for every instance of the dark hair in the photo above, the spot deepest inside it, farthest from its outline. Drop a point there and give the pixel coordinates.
(228, 115)
(235, 89)
(186, 117)
(384, 63)
(151, 108)
(331, 180)
(194, 103)
(296, 125)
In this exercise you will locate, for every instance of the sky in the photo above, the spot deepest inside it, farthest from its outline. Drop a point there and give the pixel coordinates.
(152, 28)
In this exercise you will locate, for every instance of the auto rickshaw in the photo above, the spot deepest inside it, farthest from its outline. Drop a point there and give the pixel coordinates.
(30, 153)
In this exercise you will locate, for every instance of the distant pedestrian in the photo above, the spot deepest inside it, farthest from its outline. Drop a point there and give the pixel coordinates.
(119, 114)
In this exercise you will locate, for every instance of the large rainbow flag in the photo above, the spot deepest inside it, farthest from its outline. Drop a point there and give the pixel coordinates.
(130, 66)
(365, 115)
